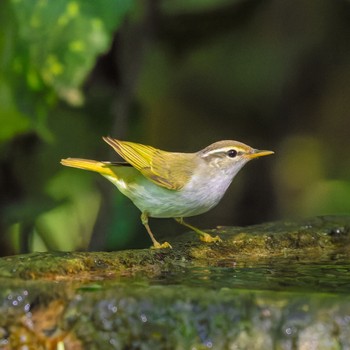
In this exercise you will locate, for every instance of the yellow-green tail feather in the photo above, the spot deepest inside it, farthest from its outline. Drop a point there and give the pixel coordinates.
(91, 165)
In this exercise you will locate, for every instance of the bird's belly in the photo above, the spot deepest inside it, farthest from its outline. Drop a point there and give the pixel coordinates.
(160, 202)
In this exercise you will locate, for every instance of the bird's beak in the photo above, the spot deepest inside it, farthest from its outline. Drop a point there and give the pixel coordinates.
(258, 153)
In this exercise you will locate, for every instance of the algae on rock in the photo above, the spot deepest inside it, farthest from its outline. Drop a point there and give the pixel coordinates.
(282, 285)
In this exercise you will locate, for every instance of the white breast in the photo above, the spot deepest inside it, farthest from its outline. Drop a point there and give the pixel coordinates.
(197, 197)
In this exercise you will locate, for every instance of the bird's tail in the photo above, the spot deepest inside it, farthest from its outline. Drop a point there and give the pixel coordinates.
(87, 164)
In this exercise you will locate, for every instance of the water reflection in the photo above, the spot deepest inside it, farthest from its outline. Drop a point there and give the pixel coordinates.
(298, 277)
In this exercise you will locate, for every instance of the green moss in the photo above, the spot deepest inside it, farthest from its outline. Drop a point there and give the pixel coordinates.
(274, 285)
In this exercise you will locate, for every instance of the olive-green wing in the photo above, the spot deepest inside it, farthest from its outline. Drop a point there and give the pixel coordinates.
(163, 168)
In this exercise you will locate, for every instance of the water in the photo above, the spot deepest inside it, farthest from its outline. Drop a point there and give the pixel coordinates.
(276, 274)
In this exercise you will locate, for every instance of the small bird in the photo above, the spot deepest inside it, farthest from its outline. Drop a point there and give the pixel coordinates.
(172, 185)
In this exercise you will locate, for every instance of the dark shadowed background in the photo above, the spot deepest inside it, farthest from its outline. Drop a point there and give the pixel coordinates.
(178, 75)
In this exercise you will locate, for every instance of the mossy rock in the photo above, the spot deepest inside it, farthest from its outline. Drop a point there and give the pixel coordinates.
(280, 285)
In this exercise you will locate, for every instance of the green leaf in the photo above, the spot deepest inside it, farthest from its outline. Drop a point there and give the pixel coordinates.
(11, 120)
(60, 40)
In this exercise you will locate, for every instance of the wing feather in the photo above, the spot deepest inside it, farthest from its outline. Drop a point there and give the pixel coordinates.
(169, 170)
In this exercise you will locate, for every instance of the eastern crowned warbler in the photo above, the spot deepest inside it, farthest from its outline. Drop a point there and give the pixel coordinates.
(172, 185)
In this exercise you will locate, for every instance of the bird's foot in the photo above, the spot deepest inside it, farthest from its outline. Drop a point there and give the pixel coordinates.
(207, 238)
(203, 236)
(157, 245)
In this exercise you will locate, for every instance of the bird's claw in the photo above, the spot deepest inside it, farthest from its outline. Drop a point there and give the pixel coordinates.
(207, 238)
(164, 245)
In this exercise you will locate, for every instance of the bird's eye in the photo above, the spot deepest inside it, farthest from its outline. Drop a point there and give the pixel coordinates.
(232, 153)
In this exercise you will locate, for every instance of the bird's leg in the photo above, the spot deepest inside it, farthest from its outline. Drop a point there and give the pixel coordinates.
(156, 244)
(203, 236)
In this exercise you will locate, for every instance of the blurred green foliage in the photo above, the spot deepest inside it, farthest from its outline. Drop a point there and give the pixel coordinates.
(178, 75)
(58, 42)
(47, 51)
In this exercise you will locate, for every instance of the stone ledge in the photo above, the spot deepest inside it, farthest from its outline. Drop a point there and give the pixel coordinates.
(282, 285)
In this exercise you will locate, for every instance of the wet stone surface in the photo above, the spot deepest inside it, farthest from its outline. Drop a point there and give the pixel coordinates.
(277, 285)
